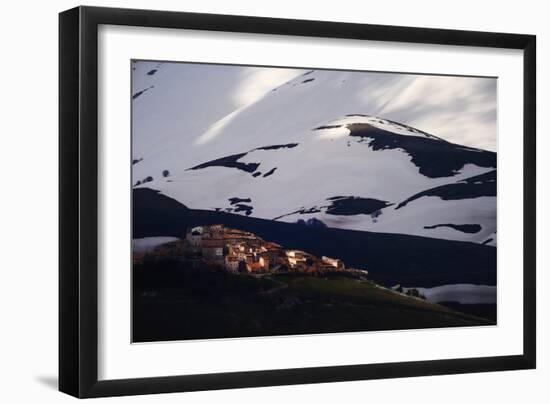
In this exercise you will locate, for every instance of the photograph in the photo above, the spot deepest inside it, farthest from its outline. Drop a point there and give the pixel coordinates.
(275, 202)
(285, 201)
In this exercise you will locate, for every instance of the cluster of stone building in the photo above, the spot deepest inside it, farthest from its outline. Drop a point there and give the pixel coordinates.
(236, 250)
(241, 251)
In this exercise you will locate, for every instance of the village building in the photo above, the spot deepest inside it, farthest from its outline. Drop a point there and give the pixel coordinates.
(212, 249)
(242, 251)
(194, 235)
(334, 262)
(300, 260)
(295, 257)
(255, 267)
(232, 263)
(239, 236)
(213, 231)
(276, 254)
(361, 272)
(264, 262)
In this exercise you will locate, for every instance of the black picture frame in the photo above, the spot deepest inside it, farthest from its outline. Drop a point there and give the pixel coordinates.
(78, 201)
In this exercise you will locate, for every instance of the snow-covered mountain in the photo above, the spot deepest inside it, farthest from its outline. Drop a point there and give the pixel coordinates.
(309, 150)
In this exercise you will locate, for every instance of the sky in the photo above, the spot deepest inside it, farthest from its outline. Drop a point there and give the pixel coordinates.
(462, 110)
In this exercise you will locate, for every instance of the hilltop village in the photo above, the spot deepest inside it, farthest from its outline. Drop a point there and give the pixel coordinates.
(239, 251)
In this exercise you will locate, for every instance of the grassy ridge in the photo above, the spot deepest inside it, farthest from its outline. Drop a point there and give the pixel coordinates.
(173, 301)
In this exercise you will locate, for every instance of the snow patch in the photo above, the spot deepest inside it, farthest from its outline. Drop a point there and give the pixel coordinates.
(462, 293)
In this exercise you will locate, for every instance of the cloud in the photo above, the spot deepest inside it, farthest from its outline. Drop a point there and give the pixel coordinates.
(253, 84)
(459, 109)
(217, 128)
(256, 82)
(204, 100)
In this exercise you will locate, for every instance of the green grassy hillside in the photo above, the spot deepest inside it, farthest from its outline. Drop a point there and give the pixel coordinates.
(175, 302)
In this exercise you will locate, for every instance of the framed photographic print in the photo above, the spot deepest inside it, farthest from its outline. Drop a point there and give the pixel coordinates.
(251, 201)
